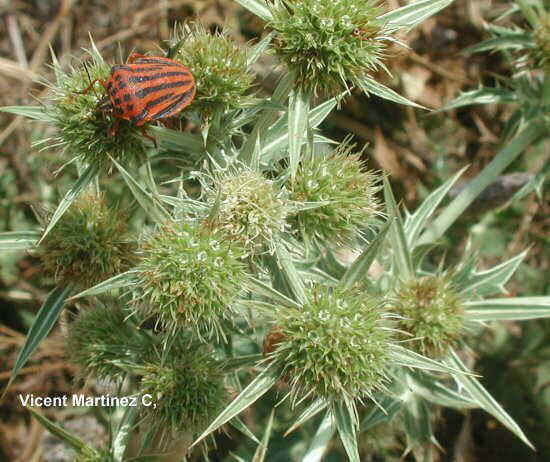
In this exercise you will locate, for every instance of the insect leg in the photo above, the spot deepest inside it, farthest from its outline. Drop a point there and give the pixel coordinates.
(148, 136)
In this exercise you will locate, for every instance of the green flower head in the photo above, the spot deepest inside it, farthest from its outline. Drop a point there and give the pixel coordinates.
(334, 346)
(219, 66)
(190, 276)
(250, 209)
(187, 387)
(432, 314)
(345, 192)
(89, 244)
(86, 130)
(327, 43)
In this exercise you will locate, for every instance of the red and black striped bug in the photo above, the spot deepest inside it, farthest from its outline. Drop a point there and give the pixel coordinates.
(144, 89)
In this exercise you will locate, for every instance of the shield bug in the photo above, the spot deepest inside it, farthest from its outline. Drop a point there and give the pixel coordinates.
(144, 89)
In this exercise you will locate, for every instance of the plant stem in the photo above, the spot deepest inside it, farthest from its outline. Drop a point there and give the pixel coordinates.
(531, 134)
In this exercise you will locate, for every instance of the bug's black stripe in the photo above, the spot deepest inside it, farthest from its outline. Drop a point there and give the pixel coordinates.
(151, 104)
(140, 70)
(183, 100)
(143, 92)
(160, 75)
(163, 61)
(140, 116)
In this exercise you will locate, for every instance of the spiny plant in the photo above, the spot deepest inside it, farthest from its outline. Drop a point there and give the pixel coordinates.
(233, 286)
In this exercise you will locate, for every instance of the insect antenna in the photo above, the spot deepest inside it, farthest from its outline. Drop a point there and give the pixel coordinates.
(103, 102)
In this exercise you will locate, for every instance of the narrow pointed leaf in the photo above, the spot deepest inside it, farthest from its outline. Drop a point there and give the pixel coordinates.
(417, 423)
(76, 443)
(346, 429)
(409, 358)
(31, 112)
(312, 410)
(261, 288)
(145, 198)
(389, 407)
(267, 118)
(414, 13)
(481, 96)
(484, 398)
(359, 268)
(259, 48)
(508, 309)
(116, 282)
(41, 326)
(124, 431)
(513, 41)
(18, 240)
(321, 439)
(276, 137)
(261, 450)
(416, 222)
(256, 154)
(81, 184)
(401, 254)
(176, 140)
(59, 74)
(368, 85)
(298, 114)
(237, 423)
(290, 273)
(437, 393)
(235, 456)
(275, 150)
(258, 7)
(238, 362)
(320, 112)
(254, 391)
(492, 281)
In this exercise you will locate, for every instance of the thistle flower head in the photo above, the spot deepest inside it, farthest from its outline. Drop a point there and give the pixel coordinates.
(346, 193)
(190, 276)
(84, 129)
(334, 346)
(250, 209)
(432, 313)
(89, 244)
(219, 66)
(187, 387)
(101, 340)
(327, 43)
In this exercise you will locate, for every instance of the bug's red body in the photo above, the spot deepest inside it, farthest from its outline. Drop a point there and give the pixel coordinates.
(147, 88)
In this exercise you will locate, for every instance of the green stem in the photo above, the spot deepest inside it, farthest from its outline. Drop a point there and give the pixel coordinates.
(489, 174)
